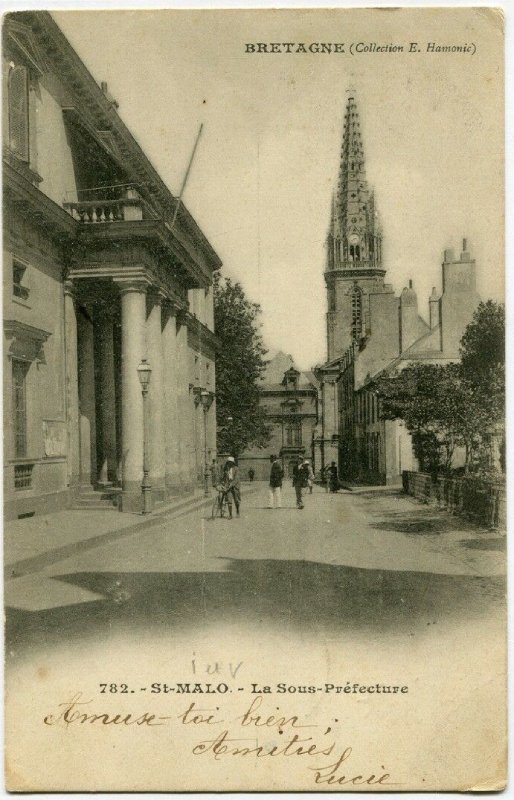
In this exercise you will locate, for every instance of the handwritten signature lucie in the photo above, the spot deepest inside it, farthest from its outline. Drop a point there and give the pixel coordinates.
(317, 743)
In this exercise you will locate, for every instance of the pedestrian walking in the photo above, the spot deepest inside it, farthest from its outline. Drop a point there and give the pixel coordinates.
(251, 474)
(310, 475)
(333, 479)
(300, 480)
(275, 483)
(231, 485)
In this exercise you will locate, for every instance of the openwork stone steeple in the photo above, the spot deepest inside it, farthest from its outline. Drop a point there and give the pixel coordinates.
(354, 238)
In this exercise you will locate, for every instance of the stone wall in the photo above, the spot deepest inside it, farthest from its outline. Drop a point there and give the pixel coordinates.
(482, 501)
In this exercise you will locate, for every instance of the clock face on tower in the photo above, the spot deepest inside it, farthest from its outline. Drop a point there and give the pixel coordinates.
(353, 238)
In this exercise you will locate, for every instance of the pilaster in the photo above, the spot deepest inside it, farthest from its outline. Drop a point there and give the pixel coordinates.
(105, 349)
(172, 431)
(87, 411)
(72, 385)
(156, 445)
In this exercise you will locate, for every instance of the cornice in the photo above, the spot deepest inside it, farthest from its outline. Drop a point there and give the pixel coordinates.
(354, 274)
(201, 332)
(102, 116)
(14, 328)
(43, 211)
(146, 230)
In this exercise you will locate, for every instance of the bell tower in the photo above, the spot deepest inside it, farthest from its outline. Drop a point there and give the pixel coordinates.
(354, 244)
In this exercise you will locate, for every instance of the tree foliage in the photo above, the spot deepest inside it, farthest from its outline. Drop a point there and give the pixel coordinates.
(454, 405)
(483, 345)
(239, 365)
(483, 360)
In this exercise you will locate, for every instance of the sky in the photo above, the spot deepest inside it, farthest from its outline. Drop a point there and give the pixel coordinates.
(267, 161)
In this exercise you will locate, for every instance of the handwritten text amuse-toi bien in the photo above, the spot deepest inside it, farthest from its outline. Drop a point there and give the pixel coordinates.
(316, 743)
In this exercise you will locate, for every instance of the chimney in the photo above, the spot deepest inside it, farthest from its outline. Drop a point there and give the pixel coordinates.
(434, 309)
(408, 317)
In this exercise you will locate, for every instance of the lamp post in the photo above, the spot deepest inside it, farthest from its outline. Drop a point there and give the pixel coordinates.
(206, 398)
(144, 372)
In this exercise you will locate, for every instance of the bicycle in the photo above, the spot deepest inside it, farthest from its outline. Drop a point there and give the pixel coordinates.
(220, 503)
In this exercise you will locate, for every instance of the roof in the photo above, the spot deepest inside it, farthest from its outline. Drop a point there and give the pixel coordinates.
(102, 115)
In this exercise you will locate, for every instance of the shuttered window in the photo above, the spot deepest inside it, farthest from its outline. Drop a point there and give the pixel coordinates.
(19, 402)
(19, 112)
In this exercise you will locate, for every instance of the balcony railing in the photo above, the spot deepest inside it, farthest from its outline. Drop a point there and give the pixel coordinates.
(97, 211)
(23, 476)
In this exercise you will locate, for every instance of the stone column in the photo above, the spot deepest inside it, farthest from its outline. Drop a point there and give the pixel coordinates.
(197, 437)
(185, 406)
(155, 395)
(108, 466)
(133, 349)
(172, 430)
(86, 382)
(72, 385)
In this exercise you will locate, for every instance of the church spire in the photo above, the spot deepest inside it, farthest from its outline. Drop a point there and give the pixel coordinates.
(354, 229)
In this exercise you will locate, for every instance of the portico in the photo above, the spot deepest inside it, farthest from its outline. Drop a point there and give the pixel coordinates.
(127, 301)
(104, 267)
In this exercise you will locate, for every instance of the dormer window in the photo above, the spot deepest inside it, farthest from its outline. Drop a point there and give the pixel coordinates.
(290, 380)
(18, 104)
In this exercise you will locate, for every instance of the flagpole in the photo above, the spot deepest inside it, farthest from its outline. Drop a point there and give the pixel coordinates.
(179, 200)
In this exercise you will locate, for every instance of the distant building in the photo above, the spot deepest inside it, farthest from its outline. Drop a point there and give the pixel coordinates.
(95, 280)
(371, 330)
(290, 400)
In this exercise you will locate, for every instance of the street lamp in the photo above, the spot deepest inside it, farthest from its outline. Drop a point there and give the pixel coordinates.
(206, 398)
(144, 372)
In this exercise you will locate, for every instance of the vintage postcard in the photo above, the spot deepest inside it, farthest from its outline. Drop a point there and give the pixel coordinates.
(254, 440)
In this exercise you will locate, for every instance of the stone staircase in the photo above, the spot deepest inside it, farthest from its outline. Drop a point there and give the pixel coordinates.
(97, 499)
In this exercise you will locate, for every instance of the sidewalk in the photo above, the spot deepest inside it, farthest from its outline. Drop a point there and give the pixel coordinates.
(36, 542)
(361, 488)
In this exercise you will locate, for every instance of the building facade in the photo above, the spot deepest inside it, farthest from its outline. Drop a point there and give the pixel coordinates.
(290, 400)
(370, 330)
(96, 279)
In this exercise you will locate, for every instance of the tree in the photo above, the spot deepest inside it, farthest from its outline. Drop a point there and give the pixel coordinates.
(482, 347)
(483, 359)
(427, 398)
(482, 371)
(444, 407)
(239, 365)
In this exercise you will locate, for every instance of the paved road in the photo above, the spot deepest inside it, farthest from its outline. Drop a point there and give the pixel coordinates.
(375, 561)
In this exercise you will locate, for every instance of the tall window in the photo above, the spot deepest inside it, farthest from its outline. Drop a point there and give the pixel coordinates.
(294, 434)
(18, 99)
(19, 407)
(356, 314)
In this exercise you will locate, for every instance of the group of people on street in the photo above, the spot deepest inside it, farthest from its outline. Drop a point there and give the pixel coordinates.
(303, 478)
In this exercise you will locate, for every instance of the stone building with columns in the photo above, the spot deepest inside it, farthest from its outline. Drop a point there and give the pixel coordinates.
(371, 330)
(97, 277)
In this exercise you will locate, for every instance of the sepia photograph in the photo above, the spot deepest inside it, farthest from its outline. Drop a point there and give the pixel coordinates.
(254, 400)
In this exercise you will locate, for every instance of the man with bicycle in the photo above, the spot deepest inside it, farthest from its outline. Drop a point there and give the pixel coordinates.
(230, 483)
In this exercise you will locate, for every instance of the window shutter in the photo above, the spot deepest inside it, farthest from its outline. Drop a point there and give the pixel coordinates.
(19, 112)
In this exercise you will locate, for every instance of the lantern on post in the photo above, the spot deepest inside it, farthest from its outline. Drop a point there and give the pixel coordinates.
(144, 372)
